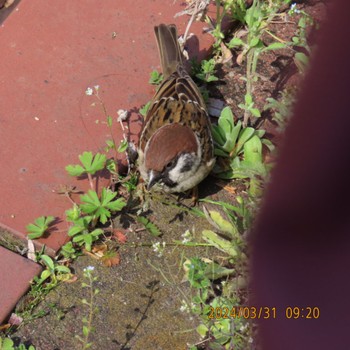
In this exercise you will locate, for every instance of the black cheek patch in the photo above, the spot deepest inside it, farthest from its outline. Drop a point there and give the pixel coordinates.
(187, 166)
(167, 182)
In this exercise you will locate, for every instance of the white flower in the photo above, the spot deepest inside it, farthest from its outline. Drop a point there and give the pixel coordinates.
(123, 115)
(156, 247)
(184, 306)
(293, 9)
(89, 268)
(186, 236)
(89, 91)
(243, 327)
(97, 87)
(250, 340)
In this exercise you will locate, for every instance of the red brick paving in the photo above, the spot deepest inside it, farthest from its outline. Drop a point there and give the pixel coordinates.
(50, 53)
(16, 273)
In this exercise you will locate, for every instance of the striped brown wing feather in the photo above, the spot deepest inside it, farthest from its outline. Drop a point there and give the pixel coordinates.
(178, 99)
(178, 108)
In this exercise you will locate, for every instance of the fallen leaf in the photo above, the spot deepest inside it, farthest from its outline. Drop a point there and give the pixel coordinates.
(86, 252)
(5, 326)
(230, 189)
(239, 59)
(97, 251)
(226, 53)
(66, 189)
(120, 236)
(31, 250)
(111, 258)
(72, 279)
(225, 186)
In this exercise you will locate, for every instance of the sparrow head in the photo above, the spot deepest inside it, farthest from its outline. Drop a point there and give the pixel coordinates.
(171, 158)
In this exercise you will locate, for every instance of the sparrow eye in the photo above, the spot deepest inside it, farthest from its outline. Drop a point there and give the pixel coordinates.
(170, 165)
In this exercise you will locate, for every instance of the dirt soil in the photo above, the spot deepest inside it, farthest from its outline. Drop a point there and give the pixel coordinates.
(139, 300)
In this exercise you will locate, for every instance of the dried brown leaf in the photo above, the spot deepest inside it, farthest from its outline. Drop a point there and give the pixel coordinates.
(120, 236)
(111, 258)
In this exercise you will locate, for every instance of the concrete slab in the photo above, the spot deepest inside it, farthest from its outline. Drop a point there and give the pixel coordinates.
(16, 274)
(51, 52)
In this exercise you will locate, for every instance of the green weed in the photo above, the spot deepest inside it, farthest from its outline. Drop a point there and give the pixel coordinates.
(101, 207)
(204, 71)
(281, 108)
(90, 165)
(52, 274)
(149, 225)
(92, 310)
(39, 227)
(8, 344)
(239, 149)
(155, 78)
(218, 332)
(299, 40)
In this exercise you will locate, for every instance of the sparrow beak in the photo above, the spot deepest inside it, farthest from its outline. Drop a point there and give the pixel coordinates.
(153, 178)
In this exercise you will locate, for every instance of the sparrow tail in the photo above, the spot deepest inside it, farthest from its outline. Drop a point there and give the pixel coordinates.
(169, 49)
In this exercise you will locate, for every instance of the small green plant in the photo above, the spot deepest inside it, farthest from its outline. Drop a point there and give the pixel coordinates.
(219, 332)
(239, 149)
(228, 240)
(256, 20)
(281, 108)
(145, 108)
(218, 304)
(248, 106)
(39, 227)
(205, 71)
(8, 344)
(92, 310)
(93, 208)
(299, 40)
(52, 274)
(198, 279)
(149, 226)
(130, 182)
(90, 165)
(69, 252)
(224, 332)
(83, 234)
(155, 78)
(240, 215)
(237, 8)
(101, 208)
